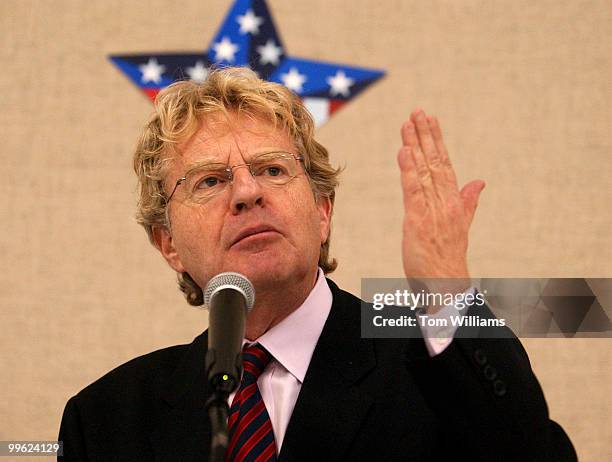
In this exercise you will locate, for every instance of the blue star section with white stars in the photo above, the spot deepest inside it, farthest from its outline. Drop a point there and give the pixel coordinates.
(248, 37)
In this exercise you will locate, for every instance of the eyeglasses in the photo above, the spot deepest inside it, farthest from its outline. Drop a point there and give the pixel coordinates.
(204, 182)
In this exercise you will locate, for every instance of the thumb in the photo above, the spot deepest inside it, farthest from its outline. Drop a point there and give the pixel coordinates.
(470, 194)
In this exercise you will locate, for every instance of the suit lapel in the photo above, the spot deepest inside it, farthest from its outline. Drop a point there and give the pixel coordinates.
(331, 407)
(328, 413)
(183, 429)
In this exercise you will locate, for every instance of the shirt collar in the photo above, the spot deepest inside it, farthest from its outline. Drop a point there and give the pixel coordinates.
(293, 340)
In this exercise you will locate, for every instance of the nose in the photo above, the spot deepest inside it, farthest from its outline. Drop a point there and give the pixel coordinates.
(247, 193)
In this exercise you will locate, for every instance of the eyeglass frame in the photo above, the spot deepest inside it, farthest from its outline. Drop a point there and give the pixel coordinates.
(230, 170)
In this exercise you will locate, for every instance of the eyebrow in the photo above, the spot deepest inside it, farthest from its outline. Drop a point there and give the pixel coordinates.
(214, 161)
(201, 163)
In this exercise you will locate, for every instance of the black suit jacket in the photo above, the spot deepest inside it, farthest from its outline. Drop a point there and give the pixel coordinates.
(362, 399)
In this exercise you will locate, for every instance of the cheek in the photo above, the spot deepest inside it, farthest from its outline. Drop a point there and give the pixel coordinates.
(308, 220)
(312, 223)
(195, 234)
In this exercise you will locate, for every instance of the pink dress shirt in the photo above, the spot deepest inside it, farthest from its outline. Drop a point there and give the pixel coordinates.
(292, 342)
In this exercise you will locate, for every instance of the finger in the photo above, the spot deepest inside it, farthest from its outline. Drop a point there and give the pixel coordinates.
(412, 189)
(436, 132)
(432, 157)
(426, 141)
(411, 140)
(409, 137)
(470, 194)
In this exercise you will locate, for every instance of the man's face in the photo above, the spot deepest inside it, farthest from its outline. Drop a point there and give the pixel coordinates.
(271, 234)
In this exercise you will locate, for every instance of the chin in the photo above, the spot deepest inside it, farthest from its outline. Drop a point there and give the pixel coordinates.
(265, 271)
(271, 270)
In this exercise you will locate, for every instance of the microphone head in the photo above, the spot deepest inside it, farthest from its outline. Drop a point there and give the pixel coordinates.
(230, 280)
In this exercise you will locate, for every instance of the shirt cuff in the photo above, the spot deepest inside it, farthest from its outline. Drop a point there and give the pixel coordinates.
(439, 335)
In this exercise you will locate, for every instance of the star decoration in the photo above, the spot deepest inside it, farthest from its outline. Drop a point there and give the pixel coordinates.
(269, 53)
(249, 23)
(197, 73)
(339, 84)
(293, 80)
(248, 37)
(152, 71)
(225, 50)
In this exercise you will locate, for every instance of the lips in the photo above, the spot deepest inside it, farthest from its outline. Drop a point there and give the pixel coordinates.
(252, 230)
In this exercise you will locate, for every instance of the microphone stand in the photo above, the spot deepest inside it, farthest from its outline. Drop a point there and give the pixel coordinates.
(218, 409)
(218, 413)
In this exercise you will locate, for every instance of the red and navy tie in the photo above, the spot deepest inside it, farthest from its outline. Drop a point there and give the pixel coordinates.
(249, 427)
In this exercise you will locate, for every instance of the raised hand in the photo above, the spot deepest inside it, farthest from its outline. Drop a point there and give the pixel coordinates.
(437, 216)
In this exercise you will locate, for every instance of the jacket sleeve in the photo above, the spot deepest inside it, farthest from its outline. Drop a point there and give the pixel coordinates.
(489, 400)
(71, 434)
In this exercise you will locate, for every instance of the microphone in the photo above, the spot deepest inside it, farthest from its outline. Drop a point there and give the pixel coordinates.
(229, 297)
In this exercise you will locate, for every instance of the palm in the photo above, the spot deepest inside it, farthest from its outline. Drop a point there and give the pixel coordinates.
(437, 216)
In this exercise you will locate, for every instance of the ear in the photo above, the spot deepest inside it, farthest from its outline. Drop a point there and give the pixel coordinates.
(325, 206)
(162, 239)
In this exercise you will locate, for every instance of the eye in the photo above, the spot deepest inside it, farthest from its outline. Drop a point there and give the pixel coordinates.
(271, 167)
(274, 170)
(209, 181)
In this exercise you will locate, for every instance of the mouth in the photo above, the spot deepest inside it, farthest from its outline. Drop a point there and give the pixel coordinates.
(255, 231)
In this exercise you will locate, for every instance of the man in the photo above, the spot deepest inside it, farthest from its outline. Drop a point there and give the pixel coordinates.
(233, 180)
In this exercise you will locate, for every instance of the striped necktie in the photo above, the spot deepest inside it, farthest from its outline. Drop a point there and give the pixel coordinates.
(249, 427)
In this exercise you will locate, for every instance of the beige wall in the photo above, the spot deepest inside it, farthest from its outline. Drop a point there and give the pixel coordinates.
(522, 89)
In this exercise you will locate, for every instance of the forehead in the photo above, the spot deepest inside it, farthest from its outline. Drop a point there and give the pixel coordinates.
(232, 139)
